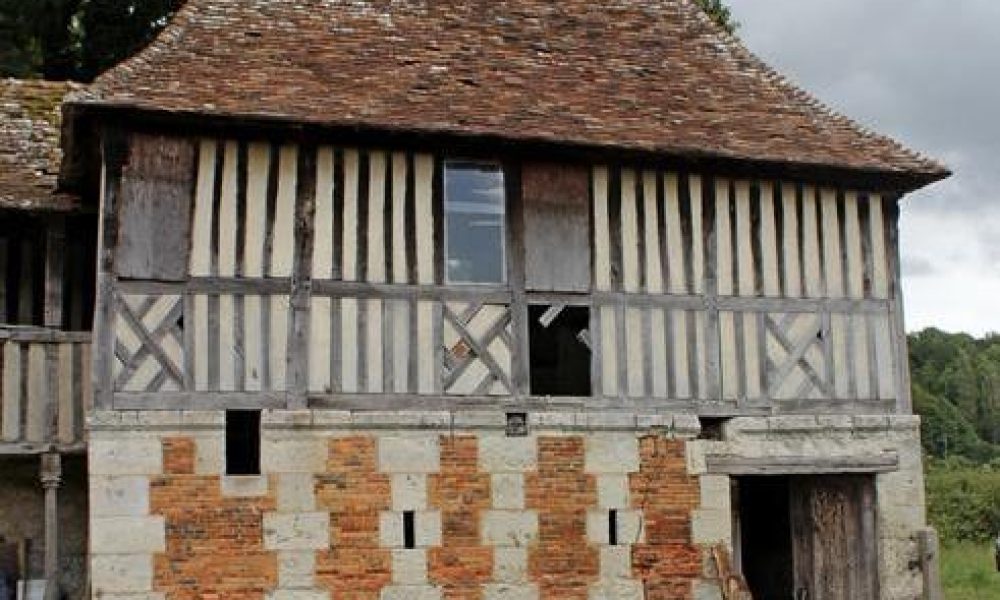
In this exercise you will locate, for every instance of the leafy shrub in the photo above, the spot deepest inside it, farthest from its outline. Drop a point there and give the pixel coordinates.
(963, 500)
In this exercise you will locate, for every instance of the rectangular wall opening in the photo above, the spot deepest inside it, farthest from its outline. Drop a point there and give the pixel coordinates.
(765, 536)
(409, 530)
(559, 338)
(242, 442)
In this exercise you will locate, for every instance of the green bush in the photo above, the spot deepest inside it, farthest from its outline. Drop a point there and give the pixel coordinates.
(963, 500)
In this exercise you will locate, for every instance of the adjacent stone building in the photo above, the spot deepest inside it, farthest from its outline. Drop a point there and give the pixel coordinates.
(499, 300)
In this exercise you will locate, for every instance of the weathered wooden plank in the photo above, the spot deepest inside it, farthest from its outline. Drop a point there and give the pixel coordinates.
(676, 255)
(854, 248)
(55, 249)
(86, 388)
(11, 398)
(26, 285)
(324, 219)
(278, 348)
(253, 345)
(4, 262)
(228, 219)
(349, 345)
(629, 233)
(320, 345)
(746, 277)
(723, 240)
(602, 232)
(423, 167)
(884, 356)
(879, 258)
(201, 350)
(770, 271)
(651, 209)
(728, 356)
(401, 342)
(426, 366)
(833, 258)
(556, 227)
(609, 351)
(283, 243)
(840, 333)
(400, 243)
(203, 223)
(376, 258)
(812, 267)
(38, 398)
(729, 464)
(255, 231)
(792, 272)
(658, 353)
(68, 394)
(373, 347)
(156, 192)
(634, 350)
(696, 193)
(227, 344)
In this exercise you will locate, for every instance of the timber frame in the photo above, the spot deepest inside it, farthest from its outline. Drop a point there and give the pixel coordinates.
(304, 288)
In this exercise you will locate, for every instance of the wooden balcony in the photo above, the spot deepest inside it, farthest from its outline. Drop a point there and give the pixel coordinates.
(45, 390)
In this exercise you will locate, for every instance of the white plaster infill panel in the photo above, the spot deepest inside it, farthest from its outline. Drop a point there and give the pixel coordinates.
(409, 567)
(127, 535)
(298, 595)
(616, 589)
(409, 491)
(296, 568)
(510, 565)
(307, 455)
(507, 491)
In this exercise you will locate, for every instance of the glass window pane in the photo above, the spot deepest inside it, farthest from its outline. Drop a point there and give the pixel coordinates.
(474, 223)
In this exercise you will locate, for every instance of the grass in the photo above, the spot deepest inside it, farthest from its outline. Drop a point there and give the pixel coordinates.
(968, 572)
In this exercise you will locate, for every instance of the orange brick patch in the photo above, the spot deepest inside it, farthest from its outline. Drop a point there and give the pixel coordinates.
(668, 562)
(462, 493)
(353, 492)
(214, 545)
(562, 562)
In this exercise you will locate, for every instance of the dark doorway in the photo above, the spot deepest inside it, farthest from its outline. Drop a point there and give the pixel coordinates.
(560, 351)
(766, 537)
(808, 537)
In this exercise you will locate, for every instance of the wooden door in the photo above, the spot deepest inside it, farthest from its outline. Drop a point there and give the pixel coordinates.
(833, 537)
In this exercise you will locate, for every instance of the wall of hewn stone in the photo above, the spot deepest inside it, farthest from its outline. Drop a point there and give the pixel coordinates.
(496, 517)
(22, 516)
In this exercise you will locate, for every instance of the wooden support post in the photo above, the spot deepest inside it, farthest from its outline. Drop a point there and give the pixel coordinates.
(301, 293)
(51, 478)
(55, 253)
(114, 149)
(930, 564)
(904, 401)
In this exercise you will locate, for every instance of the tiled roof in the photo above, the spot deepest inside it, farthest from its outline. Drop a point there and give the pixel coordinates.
(644, 75)
(30, 155)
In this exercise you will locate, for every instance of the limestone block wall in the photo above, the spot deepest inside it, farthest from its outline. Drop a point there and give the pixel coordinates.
(494, 517)
(899, 493)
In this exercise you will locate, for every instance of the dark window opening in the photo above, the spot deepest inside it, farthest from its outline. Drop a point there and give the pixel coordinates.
(560, 350)
(711, 428)
(409, 530)
(517, 424)
(612, 527)
(766, 536)
(243, 442)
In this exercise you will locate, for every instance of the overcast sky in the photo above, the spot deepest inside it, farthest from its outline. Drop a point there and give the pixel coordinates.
(926, 72)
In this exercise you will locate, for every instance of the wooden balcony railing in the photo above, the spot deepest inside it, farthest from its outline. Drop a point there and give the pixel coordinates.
(45, 390)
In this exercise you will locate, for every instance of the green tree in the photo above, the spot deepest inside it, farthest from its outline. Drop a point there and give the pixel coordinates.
(720, 13)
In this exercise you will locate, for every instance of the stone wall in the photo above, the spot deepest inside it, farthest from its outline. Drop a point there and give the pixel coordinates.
(22, 516)
(494, 517)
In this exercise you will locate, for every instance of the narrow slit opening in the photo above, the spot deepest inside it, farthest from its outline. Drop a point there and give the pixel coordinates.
(409, 533)
(612, 527)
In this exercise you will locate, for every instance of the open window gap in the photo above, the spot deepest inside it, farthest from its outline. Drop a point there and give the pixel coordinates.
(242, 442)
(409, 530)
(559, 337)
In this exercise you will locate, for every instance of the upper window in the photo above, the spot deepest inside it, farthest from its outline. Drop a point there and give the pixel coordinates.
(474, 207)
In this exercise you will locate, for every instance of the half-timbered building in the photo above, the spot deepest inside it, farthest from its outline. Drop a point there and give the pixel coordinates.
(47, 258)
(523, 299)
